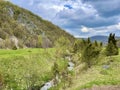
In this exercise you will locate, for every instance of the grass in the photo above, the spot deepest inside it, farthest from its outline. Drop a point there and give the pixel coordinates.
(21, 68)
(22, 52)
(97, 75)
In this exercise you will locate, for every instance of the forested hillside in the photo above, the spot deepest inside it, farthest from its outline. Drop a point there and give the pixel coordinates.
(21, 28)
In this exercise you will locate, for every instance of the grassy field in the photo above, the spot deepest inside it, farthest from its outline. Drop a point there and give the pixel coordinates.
(106, 72)
(26, 67)
(21, 68)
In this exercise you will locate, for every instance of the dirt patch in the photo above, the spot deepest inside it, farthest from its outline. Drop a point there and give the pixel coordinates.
(104, 88)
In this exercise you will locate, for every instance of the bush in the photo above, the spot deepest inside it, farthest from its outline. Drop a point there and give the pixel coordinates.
(89, 53)
(14, 48)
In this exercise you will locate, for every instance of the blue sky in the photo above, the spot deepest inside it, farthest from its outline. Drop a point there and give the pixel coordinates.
(81, 18)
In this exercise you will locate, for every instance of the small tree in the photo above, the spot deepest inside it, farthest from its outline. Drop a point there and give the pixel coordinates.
(88, 41)
(96, 43)
(62, 46)
(89, 53)
(101, 44)
(79, 45)
(111, 48)
(55, 71)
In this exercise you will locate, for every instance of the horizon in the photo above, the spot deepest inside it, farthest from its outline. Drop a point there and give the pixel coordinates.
(95, 36)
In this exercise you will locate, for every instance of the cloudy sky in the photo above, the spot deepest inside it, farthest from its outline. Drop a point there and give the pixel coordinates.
(81, 18)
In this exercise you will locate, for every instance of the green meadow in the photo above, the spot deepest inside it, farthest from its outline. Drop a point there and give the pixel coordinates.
(21, 68)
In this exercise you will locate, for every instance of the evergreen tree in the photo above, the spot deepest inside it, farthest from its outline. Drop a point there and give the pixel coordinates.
(80, 45)
(110, 38)
(89, 53)
(84, 42)
(101, 44)
(96, 43)
(111, 48)
(88, 41)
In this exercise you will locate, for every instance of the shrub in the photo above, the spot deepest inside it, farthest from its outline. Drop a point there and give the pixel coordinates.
(14, 48)
(89, 53)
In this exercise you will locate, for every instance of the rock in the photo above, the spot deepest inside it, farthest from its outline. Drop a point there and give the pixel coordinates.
(71, 66)
(14, 40)
(11, 12)
(47, 85)
(106, 66)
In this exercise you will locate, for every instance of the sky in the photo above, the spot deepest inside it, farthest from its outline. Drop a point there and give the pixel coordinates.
(81, 18)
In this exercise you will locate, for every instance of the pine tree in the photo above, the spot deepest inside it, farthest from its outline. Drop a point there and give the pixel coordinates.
(110, 38)
(88, 41)
(89, 53)
(80, 45)
(96, 43)
(101, 44)
(111, 48)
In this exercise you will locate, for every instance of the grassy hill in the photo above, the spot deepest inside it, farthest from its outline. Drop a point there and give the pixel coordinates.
(25, 28)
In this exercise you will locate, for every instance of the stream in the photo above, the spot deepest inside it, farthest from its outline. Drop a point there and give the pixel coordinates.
(50, 84)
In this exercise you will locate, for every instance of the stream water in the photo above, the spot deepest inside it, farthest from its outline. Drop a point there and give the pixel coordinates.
(50, 84)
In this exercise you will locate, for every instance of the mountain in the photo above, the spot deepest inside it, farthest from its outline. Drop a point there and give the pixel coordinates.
(101, 38)
(21, 28)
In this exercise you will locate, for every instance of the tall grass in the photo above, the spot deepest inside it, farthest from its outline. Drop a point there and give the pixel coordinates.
(26, 67)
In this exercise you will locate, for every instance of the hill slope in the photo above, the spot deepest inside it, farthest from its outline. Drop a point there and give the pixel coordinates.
(104, 74)
(25, 28)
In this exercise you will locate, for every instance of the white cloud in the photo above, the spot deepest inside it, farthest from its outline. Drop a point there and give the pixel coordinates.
(57, 8)
(84, 29)
(118, 26)
(105, 30)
